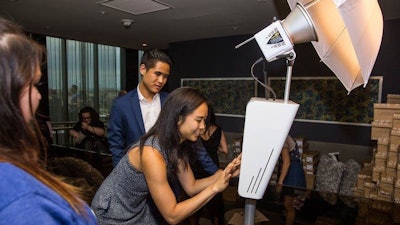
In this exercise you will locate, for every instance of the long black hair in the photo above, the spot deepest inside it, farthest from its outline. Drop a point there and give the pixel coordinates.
(179, 103)
(93, 113)
(211, 119)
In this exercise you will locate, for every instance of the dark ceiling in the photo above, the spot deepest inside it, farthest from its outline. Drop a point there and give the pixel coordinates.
(88, 20)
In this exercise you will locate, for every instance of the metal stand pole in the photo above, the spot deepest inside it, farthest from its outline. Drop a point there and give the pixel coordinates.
(249, 211)
(250, 204)
(289, 63)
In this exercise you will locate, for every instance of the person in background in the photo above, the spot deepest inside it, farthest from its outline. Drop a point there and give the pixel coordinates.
(155, 162)
(88, 133)
(214, 141)
(291, 177)
(213, 137)
(29, 194)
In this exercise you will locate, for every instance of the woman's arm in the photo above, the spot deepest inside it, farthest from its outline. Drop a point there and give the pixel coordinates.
(193, 186)
(223, 146)
(99, 131)
(153, 166)
(73, 133)
(285, 165)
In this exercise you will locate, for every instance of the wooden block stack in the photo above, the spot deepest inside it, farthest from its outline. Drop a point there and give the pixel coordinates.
(385, 111)
(310, 163)
(396, 121)
(302, 144)
(378, 182)
(393, 99)
(394, 148)
(386, 130)
(380, 129)
(364, 181)
(377, 212)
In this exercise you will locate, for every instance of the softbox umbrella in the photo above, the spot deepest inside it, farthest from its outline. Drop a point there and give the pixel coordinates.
(349, 36)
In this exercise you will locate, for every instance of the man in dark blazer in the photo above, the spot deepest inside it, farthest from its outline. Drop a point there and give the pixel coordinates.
(126, 124)
(134, 113)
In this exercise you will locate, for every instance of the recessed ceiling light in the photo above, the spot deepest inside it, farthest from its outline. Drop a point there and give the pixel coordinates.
(144, 45)
(136, 7)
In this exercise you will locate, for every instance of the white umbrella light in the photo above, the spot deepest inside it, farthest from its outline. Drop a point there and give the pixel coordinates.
(349, 36)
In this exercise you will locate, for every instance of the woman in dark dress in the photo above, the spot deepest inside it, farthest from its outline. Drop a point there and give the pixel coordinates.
(213, 140)
(291, 177)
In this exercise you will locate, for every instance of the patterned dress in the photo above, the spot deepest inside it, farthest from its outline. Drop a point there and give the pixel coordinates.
(124, 196)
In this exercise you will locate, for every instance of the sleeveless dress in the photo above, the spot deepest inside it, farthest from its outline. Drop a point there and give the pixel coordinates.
(212, 144)
(124, 197)
(295, 176)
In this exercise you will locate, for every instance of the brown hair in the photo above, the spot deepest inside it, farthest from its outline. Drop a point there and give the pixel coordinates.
(21, 142)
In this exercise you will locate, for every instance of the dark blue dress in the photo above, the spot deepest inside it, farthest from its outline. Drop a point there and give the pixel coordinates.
(295, 176)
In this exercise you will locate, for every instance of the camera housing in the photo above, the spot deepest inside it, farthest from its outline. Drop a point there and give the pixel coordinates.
(127, 23)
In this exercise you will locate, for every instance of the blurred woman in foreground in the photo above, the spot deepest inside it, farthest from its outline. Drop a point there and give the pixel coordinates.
(28, 193)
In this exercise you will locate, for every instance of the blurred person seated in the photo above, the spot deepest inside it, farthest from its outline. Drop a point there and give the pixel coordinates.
(89, 132)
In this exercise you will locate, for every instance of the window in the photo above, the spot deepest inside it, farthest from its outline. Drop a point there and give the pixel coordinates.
(109, 77)
(81, 74)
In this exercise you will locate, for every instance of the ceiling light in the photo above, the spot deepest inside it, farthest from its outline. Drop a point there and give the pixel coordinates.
(136, 7)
